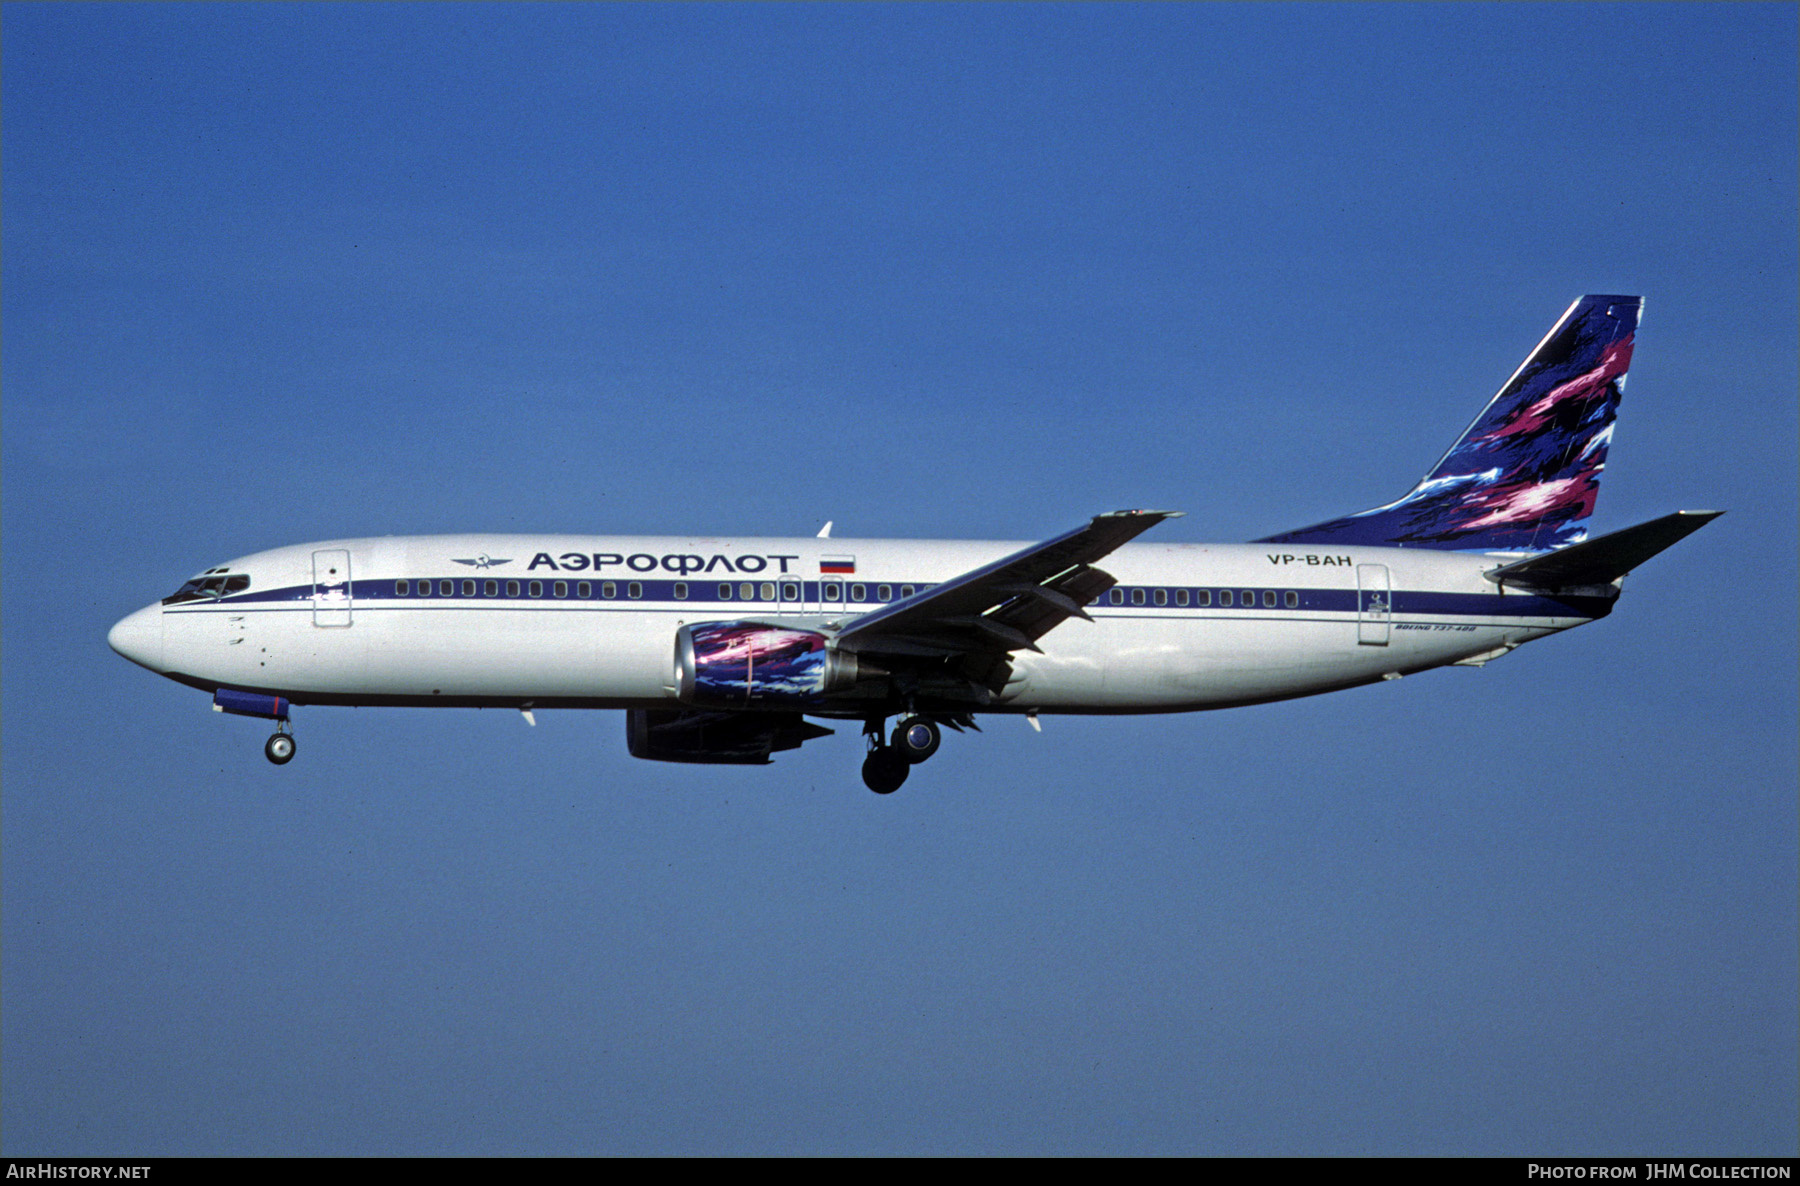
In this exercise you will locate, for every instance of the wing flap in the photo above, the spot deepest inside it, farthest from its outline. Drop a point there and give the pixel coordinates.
(1036, 611)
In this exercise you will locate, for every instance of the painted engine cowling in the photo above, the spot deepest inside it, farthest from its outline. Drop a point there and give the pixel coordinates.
(754, 665)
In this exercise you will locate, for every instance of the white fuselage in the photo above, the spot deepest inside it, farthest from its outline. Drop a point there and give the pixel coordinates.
(590, 621)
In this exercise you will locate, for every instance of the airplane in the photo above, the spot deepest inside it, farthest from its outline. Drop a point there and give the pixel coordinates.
(720, 649)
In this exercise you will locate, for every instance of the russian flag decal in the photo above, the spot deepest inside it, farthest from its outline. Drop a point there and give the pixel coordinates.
(837, 565)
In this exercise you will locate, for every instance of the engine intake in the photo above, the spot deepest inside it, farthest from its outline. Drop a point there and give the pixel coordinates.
(753, 665)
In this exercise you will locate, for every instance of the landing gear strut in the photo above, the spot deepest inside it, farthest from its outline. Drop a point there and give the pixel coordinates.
(279, 749)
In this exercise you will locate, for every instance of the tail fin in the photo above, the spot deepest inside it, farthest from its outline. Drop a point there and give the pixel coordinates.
(1523, 478)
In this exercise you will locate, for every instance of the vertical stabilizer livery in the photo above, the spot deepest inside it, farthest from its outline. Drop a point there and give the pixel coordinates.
(1524, 476)
(719, 650)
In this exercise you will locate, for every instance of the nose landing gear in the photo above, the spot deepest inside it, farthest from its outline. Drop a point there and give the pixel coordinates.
(279, 749)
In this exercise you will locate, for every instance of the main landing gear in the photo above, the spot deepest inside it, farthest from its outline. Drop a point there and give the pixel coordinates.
(279, 749)
(914, 739)
(884, 770)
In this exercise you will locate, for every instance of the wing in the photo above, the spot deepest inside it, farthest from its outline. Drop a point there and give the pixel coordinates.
(965, 628)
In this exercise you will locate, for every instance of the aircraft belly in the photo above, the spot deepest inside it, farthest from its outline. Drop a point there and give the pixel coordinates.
(528, 654)
(1173, 664)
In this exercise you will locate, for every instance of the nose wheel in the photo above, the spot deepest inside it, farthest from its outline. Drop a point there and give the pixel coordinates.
(279, 749)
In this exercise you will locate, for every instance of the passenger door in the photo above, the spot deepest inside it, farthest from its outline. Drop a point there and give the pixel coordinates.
(331, 587)
(1374, 605)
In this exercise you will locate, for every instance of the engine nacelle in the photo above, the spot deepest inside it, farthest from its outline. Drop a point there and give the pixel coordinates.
(753, 665)
(718, 738)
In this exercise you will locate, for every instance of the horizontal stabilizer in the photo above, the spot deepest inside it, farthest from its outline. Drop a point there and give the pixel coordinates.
(1605, 559)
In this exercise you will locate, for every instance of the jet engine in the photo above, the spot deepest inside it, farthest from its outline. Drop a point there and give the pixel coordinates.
(719, 738)
(743, 665)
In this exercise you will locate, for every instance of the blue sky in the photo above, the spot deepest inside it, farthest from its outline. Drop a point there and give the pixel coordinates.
(282, 273)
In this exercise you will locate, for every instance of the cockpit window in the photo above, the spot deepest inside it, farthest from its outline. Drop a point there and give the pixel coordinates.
(208, 587)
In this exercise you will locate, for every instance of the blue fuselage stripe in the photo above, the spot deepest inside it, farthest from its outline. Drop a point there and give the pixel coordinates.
(661, 594)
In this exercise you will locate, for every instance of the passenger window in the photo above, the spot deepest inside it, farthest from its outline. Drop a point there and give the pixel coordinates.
(609, 589)
(680, 590)
(1181, 597)
(1161, 597)
(1137, 597)
(584, 589)
(535, 588)
(906, 591)
(490, 588)
(1293, 599)
(1268, 599)
(1249, 601)
(1203, 597)
(1117, 596)
(424, 588)
(884, 593)
(634, 590)
(859, 593)
(834, 591)
(512, 588)
(724, 591)
(1225, 597)
(468, 589)
(561, 588)
(768, 591)
(790, 592)
(446, 588)
(402, 588)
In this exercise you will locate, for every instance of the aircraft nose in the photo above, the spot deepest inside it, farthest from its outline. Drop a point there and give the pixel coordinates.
(139, 637)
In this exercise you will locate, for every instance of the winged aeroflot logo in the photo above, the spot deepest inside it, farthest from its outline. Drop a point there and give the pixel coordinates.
(483, 561)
